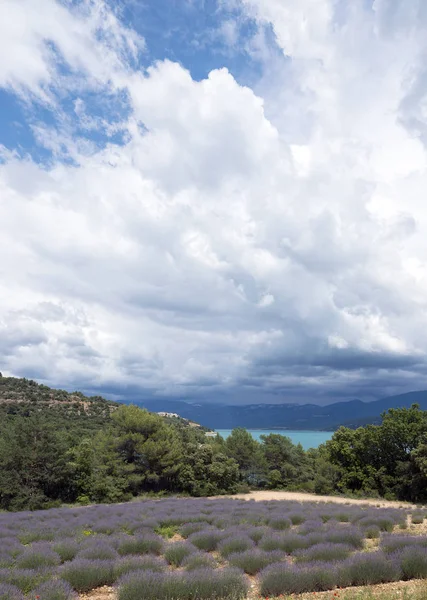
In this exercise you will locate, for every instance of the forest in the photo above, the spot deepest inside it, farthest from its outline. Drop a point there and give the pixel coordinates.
(60, 448)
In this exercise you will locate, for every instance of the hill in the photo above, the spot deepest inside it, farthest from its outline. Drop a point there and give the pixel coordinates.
(25, 397)
(354, 413)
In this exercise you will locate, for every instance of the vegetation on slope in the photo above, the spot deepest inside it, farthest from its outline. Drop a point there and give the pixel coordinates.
(58, 447)
(25, 397)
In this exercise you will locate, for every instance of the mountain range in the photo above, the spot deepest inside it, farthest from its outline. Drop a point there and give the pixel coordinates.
(25, 396)
(354, 413)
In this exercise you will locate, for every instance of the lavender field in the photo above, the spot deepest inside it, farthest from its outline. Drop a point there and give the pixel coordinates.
(188, 549)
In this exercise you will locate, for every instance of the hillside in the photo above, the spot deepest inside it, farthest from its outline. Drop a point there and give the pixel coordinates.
(289, 416)
(26, 397)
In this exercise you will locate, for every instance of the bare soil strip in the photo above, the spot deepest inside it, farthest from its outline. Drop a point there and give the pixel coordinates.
(260, 496)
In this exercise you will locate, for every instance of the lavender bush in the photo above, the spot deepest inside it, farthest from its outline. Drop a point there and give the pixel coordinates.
(189, 528)
(25, 579)
(280, 523)
(141, 544)
(10, 592)
(350, 536)
(413, 562)
(66, 549)
(417, 518)
(236, 544)
(324, 552)
(98, 551)
(138, 563)
(176, 552)
(201, 584)
(38, 557)
(99, 544)
(372, 532)
(85, 575)
(369, 569)
(199, 560)
(391, 543)
(287, 542)
(297, 579)
(253, 561)
(55, 590)
(207, 540)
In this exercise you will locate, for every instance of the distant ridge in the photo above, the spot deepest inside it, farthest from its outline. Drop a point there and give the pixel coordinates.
(354, 413)
(25, 396)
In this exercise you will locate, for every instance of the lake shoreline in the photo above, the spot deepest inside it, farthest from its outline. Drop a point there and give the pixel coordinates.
(307, 438)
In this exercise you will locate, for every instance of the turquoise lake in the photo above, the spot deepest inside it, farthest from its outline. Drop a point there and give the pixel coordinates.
(307, 439)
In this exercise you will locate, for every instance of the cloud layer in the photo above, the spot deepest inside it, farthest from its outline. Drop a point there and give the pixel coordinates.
(209, 239)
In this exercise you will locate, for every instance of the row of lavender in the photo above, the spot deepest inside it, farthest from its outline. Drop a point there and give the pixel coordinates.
(290, 546)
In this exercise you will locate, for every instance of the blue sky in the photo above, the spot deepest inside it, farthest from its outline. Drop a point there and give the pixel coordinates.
(200, 36)
(216, 201)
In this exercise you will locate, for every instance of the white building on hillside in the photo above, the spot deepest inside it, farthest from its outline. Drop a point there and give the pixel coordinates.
(166, 414)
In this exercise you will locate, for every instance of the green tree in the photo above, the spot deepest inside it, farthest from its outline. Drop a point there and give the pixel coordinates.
(153, 448)
(33, 464)
(247, 452)
(284, 458)
(381, 459)
(206, 472)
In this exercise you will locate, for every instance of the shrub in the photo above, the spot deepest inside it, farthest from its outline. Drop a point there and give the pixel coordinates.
(36, 535)
(138, 563)
(84, 575)
(288, 542)
(189, 528)
(10, 592)
(417, 519)
(296, 579)
(253, 561)
(66, 549)
(383, 522)
(349, 536)
(199, 560)
(310, 526)
(296, 518)
(24, 579)
(369, 569)
(372, 532)
(391, 543)
(11, 547)
(342, 517)
(36, 558)
(6, 559)
(140, 544)
(413, 562)
(257, 533)
(236, 544)
(207, 540)
(279, 523)
(167, 531)
(55, 590)
(325, 517)
(202, 584)
(100, 551)
(323, 552)
(177, 552)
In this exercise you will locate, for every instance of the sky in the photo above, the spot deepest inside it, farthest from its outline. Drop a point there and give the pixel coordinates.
(214, 200)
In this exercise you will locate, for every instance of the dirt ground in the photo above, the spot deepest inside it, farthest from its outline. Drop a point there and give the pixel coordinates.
(104, 593)
(302, 497)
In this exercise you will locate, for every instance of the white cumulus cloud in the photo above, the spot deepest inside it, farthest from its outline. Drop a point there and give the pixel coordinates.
(264, 243)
